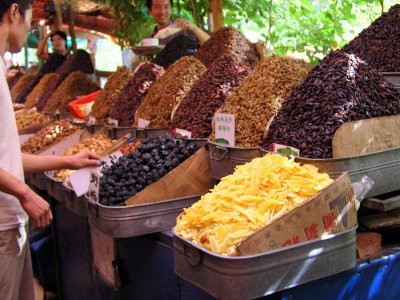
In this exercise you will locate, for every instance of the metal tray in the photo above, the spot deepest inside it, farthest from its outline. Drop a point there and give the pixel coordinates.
(92, 128)
(224, 159)
(381, 166)
(78, 205)
(56, 189)
(248, 277)
(142, 133)
(393, 78)
(129, 221)
(39, 180)
(118, 132)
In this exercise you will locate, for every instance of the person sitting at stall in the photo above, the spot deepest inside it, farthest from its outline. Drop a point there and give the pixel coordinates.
(161, 11)
(59, 41)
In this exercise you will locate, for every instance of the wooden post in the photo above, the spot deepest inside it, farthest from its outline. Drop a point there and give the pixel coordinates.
(58, 17)
(71, 26)
(217, 14)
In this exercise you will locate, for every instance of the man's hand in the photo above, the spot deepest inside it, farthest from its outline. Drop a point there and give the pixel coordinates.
(260, 48)
(83, 159)
(36, 208)
(184, 24)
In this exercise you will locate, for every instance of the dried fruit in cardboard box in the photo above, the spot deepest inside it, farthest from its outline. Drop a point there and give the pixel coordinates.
(259, 97)
(111, 93)
(196, 111)
(181, 45)
(43, 84)
(96, 144)
(255, 195)
(28, 117)
(224, 41)
(48, 136)
(132, 173)
(379, 44)
(342, 88)
(134, 92)
(169, 91)
(74, 85)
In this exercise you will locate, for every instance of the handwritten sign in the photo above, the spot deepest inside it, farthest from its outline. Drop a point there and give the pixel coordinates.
(285, 150)
(224, 129)
(142, 123)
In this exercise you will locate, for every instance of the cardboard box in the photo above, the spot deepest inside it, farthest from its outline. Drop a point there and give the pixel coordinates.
(330, 211)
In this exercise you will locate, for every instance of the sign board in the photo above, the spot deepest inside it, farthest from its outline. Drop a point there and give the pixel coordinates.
(224, 129)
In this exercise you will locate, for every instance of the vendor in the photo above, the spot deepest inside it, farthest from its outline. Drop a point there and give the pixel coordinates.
(59, 41)
(161, 10)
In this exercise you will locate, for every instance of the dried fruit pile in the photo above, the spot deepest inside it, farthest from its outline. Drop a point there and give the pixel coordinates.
(256, 194)
(27, 118)
(153, 159)
(20, 86)
(181, 45)
(196, 111)
(13, 79)
(169, 91)
(227, 40)
(259, 97)
(379, 44)
(111, 93)
(74, 85)
(134, 92)
(49, 135)
(80, 61)
(39, 89)
(97, 144)
(340, 89)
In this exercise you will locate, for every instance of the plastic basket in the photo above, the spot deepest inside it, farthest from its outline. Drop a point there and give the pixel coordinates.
(78, 106)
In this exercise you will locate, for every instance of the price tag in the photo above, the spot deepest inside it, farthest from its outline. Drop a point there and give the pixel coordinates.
(285, 150)
(182, 133)
(91, 121)
(224, 129)
(82, 181)
(142, 123)
(113, 122)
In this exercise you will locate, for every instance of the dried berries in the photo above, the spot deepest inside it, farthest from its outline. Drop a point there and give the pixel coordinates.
(196, 111)
(259, 97)
(227, 40)
(134, 92)
(181, 45)
(170, 90)
(379, 44)
(76, 84)
(111, 92)
(132, 173)
(340, 89)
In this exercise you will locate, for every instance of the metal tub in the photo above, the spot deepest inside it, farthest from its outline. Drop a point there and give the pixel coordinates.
(39, 180)
(57, 190)
(78, 205)
(118, 132)
(224, 159)
(130, 221)
(393, 78)
(381, 166)
(142, 133)
(199, 142)
(248, 277)
(92, 128)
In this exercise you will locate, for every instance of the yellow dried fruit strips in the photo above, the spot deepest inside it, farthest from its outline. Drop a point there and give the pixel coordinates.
(253, 196)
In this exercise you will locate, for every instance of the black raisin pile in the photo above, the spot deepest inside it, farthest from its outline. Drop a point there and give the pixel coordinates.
(132, 173)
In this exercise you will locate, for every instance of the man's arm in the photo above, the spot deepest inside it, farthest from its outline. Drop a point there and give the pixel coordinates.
(201, 35)
(36, 208)
(37, 163)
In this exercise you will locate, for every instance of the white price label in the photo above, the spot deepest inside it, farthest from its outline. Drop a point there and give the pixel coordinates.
(142, 123)
(183, 133)
(285, 150)
(91, 121)
(113, 122)
(224, 129)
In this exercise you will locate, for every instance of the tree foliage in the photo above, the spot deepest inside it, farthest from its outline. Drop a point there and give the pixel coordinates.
(307, 26)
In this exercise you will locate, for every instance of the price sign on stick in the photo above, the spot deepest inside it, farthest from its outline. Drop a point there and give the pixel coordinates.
(224, 129)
